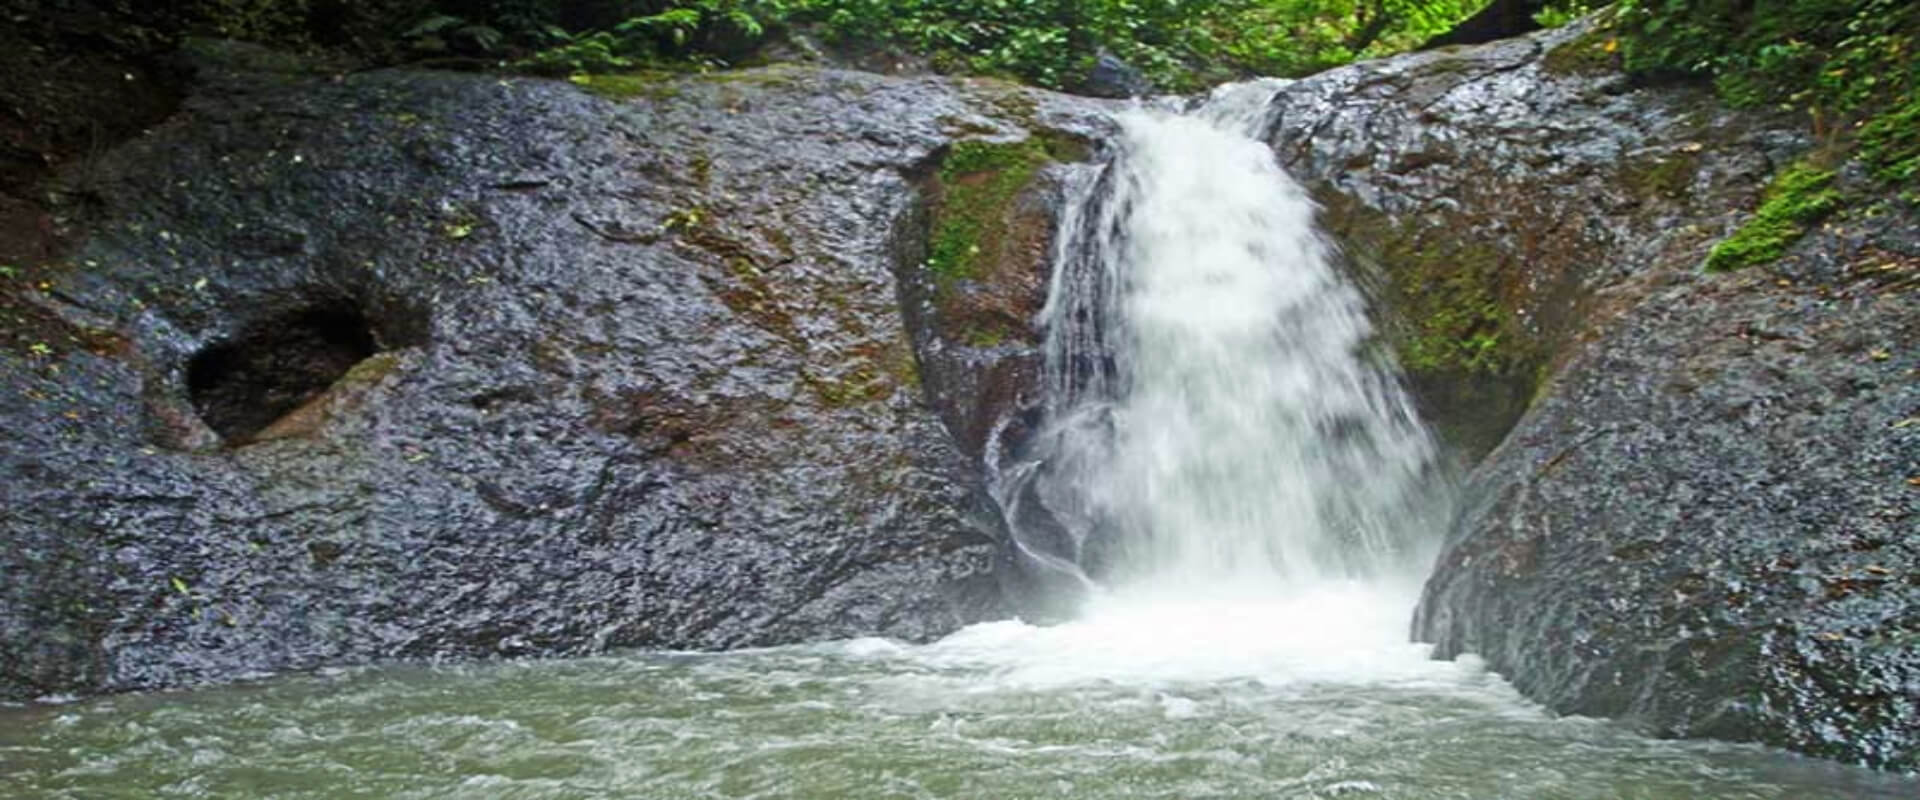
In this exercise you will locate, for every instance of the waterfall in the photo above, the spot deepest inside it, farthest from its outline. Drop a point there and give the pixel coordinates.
(1217, 414)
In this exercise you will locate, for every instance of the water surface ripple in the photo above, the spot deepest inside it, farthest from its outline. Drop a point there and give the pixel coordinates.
(1283, 698)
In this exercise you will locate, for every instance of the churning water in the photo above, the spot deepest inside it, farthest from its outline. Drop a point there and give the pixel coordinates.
(1214, 421)
(1239, 490)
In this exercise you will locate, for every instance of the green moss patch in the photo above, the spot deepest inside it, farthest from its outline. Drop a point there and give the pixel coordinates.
(977, 183)
(1800, 196)
(1452, 306)
(989, 333)
(1452, 318)
(1450, 295)
(1890, 144)
(652, 84)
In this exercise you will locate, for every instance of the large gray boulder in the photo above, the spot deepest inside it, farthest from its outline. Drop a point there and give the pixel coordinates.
(1708, 523)
(417, 365)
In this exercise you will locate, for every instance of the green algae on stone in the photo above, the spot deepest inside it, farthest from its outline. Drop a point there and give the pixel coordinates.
(977, 183)
(1457, 319)
(1449, 294)
(1801, 195)
(1471, 334)
(651, 84)
(988, 333)
(370, 370)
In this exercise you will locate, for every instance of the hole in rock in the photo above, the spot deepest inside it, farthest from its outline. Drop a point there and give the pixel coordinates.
(242, 385)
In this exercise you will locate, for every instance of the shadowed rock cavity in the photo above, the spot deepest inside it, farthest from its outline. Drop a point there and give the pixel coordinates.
(240, 386)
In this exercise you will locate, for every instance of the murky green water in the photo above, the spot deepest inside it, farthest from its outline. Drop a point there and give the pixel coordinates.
(1269, 702)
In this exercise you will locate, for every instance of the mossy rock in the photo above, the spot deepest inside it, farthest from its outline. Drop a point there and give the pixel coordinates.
(1799, 196)
(1665, 176)
(1450, 301)
(976, 185)
(650, 84)
(1890, 144)
(988, 244)
(1450, 311)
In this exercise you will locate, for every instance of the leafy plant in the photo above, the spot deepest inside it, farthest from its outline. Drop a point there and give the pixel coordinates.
(1828, 57)
(442, 32)
(593, 52)
(1890, 142)
(1557, 14)
(1179, 44)
(255, 20)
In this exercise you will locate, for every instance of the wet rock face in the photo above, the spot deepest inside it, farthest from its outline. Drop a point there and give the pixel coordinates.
(1705, 522)
(1502, 198)
(1708, 524)
(975, 324)
(398, 365)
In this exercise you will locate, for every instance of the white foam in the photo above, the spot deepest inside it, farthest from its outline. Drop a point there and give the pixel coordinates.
(1254, 488)
(1216, 415)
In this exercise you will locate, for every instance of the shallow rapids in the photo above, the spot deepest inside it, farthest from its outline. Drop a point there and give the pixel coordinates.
(1319, 697)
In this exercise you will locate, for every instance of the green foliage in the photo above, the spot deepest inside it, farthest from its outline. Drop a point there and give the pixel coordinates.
(1890, 142)
(442, 32)
(1179, 44)
(1850, 65)
(254, 20)
(1800, 195)
(1297, 38)
(623, 35)
(1555, 15)
(1830, 57)
(593, 52)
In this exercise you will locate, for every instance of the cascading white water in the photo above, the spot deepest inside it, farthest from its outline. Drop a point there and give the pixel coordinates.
(1217, 423)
